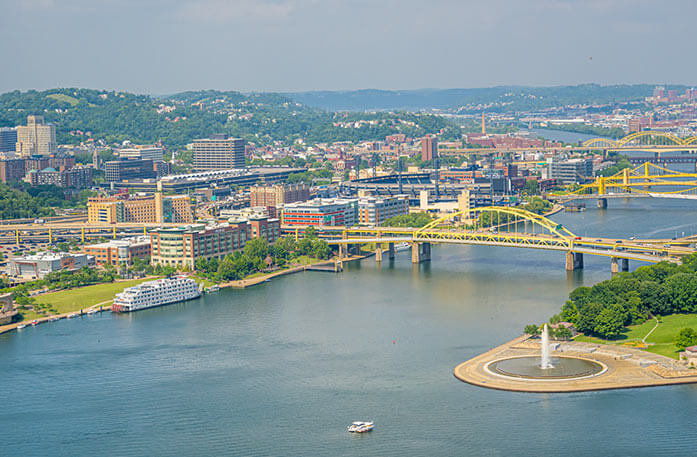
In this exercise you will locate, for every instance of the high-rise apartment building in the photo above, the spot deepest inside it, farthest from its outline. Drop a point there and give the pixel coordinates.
(570, 171)
(183, 246)
(429, 148)
(218, 152)
(8, 139)
(12, 170)
(321, 211)
(155, 209)
(36, 137)
(374, 211)
(76, 178)
(277, 195)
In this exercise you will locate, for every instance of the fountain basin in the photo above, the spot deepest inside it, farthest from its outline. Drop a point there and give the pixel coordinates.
(528, 367)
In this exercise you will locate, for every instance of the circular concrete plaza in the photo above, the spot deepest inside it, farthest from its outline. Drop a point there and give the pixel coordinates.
(528, 367)
(581, 367)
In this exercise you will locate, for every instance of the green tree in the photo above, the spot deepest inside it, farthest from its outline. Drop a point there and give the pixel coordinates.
(686, 337)
(532, 187)
(609, 322)
(531, 329)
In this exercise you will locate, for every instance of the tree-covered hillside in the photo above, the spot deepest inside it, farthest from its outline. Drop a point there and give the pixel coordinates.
(80, 114)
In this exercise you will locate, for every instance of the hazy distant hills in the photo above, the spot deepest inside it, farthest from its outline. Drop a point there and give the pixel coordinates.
(494, 99)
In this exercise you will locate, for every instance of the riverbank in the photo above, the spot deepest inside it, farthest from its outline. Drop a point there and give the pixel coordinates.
(248, 282)
(99, 307)
(625, 368)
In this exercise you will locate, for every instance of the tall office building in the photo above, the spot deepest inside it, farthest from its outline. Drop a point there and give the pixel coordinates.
(218, 152)
(120, 170)
(154, 153)
(429, 148)
(8, 139)
(36, 137)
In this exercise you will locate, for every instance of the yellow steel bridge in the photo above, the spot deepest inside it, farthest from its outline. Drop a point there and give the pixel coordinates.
(513, 227)
(645, 180)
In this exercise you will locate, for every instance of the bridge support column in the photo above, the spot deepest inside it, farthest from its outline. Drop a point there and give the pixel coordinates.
(625, 264)
(390, 251)
(574, 261)
(602, 203)
(378, 253)
(415, 252)
(425, 252)
(614, 266)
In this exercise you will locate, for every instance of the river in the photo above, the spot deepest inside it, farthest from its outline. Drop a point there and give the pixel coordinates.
(282, 368)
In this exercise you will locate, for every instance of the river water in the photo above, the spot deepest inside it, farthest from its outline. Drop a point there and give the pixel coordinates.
(282, 368)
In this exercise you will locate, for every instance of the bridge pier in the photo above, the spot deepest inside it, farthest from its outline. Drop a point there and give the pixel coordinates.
(602, 203)
(415, 252)
(426, 252)
(420, 252)
(625, 264)
(614, 266)
(378, 253)
(574, 261)
(390, 251)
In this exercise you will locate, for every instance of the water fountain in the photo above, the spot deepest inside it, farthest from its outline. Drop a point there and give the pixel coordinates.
(545, 364)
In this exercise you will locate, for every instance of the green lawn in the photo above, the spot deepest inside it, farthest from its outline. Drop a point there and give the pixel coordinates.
(64, 98)
(660, 341)
(66, 301)
(305, 260)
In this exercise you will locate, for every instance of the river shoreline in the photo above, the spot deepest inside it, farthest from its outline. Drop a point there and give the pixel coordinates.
(238, 284)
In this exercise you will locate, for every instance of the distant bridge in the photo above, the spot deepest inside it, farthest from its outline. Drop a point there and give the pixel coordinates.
(645, 180)
(509, 227)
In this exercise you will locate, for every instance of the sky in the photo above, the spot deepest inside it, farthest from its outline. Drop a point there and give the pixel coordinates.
(167, 46)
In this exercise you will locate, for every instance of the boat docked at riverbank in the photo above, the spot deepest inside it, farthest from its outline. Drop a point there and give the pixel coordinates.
(155, 293)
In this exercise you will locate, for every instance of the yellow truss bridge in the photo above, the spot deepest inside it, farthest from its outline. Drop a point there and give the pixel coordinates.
(646, 180)
(511, 227)
(644, 139)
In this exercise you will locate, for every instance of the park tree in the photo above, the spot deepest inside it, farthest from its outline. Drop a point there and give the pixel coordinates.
(532, 329)
(686, 337)
(532, 187)
(609, 322)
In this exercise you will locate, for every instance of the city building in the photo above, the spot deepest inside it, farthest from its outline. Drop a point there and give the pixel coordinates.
(8, 139)
(276, 195)
(154, 153)
(74, 178)
(570, 171)
(429, 148)
(140, 208)
(321, 211)
(125, 170)
(218, 152)
(117, 252)
(183, 246)
(374, 211)
(36, 137)
(39, 265)
(264, 228)
(12, 170)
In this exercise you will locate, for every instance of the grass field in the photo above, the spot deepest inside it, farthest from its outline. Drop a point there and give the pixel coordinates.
(64, 98)
(660, 341)
(66, 301)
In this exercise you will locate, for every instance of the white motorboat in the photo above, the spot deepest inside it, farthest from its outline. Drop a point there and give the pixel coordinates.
(361, 426)
(21, 326)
